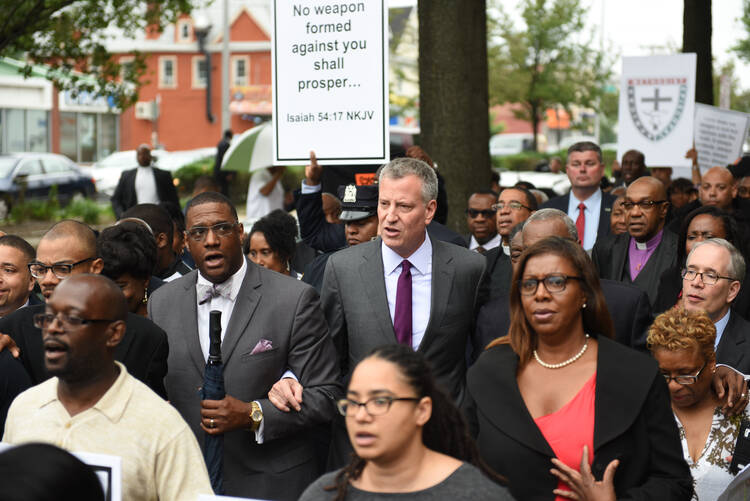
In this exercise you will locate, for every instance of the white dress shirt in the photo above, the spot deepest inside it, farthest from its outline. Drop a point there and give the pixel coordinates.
(145, 186)
(491, 244)
(593, 210)
(225, 306)
(421, 285)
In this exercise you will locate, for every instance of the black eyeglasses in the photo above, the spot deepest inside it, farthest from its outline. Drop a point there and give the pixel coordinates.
(43, 320)
(221, 230)
(60, 270)
(513, 205)
(554, 284)
(707, 277)
(376, 406)
(473, 213)
(685, 379)
(643, 205)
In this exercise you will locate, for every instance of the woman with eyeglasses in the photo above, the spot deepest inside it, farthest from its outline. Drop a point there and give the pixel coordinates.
(699, 225)
(682, 342)
(559, 408)
(410, 441)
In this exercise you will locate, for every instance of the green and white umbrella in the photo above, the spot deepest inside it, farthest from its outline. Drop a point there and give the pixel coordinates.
(250, 151)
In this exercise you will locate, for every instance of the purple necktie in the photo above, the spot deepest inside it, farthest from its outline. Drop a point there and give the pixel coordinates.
(402, 316)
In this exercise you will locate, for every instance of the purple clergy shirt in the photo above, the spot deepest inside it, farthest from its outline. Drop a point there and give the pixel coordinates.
(639, 253)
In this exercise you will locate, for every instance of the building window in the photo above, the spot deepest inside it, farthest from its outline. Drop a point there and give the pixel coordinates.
(167, 72)
(16, 120)
(200, 75)
(184, 30)
(240, 66)
(126, 65)
(88, 137)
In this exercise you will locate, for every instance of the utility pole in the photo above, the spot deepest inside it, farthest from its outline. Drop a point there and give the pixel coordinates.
(225, 70)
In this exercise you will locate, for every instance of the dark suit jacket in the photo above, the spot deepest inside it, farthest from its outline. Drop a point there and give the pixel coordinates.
(734, 345)
(13, 380)
(605, 211)
(125, 197)
(610, 257)
(143, 349)
(356, 307)
(287, 313)
(628, 306)
(633, 423)
(497, 277)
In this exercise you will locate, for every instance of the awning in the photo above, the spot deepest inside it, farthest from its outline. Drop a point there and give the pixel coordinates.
(251, 100)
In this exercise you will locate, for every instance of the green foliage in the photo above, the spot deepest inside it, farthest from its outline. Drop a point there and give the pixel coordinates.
(187, 174)
(70, 36)
(544, 63)
(82, 209)
(742, 49)
(528, 160)
(87, 210)
(495, 128)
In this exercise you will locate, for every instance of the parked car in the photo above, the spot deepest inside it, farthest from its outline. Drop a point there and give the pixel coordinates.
(550, 183)
(512, 143)
(106, 172)
(35, 174)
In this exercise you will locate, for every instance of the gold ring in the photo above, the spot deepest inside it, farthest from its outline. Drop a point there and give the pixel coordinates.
(211, 423)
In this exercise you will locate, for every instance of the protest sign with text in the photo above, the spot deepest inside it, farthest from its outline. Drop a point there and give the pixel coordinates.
(719, 135)
(330, 81)
(657, 102)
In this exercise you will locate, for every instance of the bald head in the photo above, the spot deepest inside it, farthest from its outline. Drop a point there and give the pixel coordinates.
(99, 295)
(655, 186)
(143, 154)
(81, 234)
(718, 188)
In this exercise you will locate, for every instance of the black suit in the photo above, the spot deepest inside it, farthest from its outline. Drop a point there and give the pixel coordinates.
(605, 211)
(610, 257)
(497, 277)
(633, 422)
(143, 349)
(627, 304)
(734, 345)
(125, 197)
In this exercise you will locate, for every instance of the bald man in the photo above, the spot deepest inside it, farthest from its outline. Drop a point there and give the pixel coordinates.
(68, 249)
(640, 256)
(144, 184)
(99, 405)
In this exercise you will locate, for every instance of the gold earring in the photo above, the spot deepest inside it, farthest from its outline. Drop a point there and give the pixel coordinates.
(145, 297)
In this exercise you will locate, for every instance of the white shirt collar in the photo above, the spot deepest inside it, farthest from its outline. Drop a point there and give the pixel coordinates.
(490, 244)
(235, 280)
(720, 326)
(592, 200)
(421, 259)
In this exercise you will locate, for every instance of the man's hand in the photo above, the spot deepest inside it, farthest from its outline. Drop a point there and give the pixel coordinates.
(313, 172)
(7, 343)
(221, 416)
(731, 383)
(692, 154)
(583, 484)
(286, 394)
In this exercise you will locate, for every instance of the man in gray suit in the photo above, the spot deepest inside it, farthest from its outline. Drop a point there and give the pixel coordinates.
(363, 296)
(270, 324)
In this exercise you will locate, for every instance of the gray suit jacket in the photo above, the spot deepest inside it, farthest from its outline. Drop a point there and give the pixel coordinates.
(286, 312)
(356, 307)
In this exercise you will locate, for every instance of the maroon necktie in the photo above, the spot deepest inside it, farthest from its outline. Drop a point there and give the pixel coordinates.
(402, 316)
(581, 221)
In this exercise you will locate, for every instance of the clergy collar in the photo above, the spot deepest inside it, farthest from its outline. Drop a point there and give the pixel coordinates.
(650, 244)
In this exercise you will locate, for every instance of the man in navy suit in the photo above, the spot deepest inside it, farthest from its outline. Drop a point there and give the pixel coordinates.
(586, 204)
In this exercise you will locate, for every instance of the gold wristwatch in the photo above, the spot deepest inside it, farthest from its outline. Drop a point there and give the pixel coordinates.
(256, 415)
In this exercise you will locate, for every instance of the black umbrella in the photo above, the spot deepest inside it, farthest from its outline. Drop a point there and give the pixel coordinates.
(213, 389)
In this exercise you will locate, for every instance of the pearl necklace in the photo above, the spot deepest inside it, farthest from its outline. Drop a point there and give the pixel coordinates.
(568, 361)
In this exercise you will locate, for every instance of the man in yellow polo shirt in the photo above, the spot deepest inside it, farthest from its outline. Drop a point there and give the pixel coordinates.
(92, 404)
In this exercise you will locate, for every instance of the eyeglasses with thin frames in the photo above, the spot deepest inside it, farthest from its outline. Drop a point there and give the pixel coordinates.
(44, 320)
(60, 270)
(554, 283)
(645, 205)
(513, 205)
(221, 230)
(376, 406)
(685, 379)
(707, 277)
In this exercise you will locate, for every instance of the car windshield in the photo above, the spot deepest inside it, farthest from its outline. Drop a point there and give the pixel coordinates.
(6, 165)
(507, 142)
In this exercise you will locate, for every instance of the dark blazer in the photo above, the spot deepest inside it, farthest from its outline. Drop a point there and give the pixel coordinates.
(734, 345)
(143, 349)
(610, 256)
(603, 230)
(628, 306)
(497, 277)
(125, 197)
(356, 307)
(13, 380)
(633, 423)
(287, 313)
(315, 271)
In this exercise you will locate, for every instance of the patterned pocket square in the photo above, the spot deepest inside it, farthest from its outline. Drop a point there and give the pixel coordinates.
(263, 345)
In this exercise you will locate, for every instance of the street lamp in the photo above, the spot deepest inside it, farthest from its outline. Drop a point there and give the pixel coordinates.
(202, 27)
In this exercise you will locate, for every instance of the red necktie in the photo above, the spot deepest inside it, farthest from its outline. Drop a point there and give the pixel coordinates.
(402, 315)
(581, 221)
